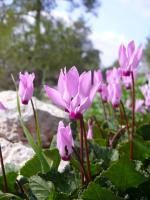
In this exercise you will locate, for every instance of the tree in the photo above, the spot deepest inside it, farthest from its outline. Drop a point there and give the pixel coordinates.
(35, 41)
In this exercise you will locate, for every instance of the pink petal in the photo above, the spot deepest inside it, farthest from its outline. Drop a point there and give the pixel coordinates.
(130, 48)
(72, 81)
(122, 56)
(61, 82)
(55, 96)
(2, 107)
(85, 84)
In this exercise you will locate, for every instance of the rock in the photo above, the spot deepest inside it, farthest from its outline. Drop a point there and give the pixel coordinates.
(10, 129)
(15, 153)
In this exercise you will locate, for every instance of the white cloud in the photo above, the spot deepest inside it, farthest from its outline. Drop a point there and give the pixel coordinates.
(62, 15)
(109, 43)
(141, 6)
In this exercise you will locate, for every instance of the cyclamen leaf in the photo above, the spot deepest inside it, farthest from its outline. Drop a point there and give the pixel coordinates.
(41, 188)
(141, 149)
(29, 168)
(96, 192)
(123, 175)
(8, 196)
(44, 164)
(11, 180)
(144, 131)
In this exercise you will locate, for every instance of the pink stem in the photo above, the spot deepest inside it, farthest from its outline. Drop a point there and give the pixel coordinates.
(86, 150)
(81, 151)
(133, 118)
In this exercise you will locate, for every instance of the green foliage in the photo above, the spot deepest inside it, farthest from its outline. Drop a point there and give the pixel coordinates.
(123, 175)
(11, 179)
(95, 191)
(29, 168)
(52, 157)
(144, 131)
(30, 39)
(8, 196)
(40, 188)
(141, 150)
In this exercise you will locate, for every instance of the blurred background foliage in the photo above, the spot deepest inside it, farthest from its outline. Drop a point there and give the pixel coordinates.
(32, 39)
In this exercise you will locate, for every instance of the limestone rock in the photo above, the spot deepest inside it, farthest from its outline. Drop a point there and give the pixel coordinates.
(15, 153)
(10, 129)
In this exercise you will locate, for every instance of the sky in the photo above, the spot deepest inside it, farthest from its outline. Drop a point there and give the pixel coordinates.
(118, 21)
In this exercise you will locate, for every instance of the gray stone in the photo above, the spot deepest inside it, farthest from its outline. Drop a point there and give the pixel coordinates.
(15, 153)
(10, 129)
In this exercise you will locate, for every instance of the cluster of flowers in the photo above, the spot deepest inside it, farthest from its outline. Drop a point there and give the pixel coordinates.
(75, 93)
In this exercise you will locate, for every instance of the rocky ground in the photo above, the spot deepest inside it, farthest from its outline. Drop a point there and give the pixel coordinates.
(15, 148)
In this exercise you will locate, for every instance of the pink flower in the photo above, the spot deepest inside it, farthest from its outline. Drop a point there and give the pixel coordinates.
(98, 78)
(104, 93)
(129, 58)
(114, 86)
(127, 80)
(113, 75)
(26, 86)
(114, 94)
(145, 89)
(2, 107)
(74, 93)
(64, 141)
(139, 105)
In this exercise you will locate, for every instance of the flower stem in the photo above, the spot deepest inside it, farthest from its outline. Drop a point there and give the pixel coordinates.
(116, 137)
(81, 164)
(3, 171)
(98, 126)
(104, 108)
(86, 150)
(125, 117)
(81, 152)
(38, 134)
(133, 118)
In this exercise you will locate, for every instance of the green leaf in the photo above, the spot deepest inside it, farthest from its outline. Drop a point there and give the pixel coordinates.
(52, 157)
(144, 131)
(29, 168)
(58, 196)
(123, 175)
(8, 196)
(11, 180)
(44, 164)
(141, 149)
(95, 168)
(40, 188)
(64, 182)
(96, 192)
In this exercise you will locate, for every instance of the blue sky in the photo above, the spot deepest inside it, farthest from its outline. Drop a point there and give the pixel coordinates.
(117, 21)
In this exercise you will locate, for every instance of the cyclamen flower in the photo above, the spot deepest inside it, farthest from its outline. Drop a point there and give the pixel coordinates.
(102, 89)
(2, 107)
(26, 87)
(114, 86)
(145, 89)
(98, 78)
(74, 93)
(129, 58)
(114, 94)
(104, 92)
(113, 75)
(64, 141)
(127, 81)
(139, 105)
